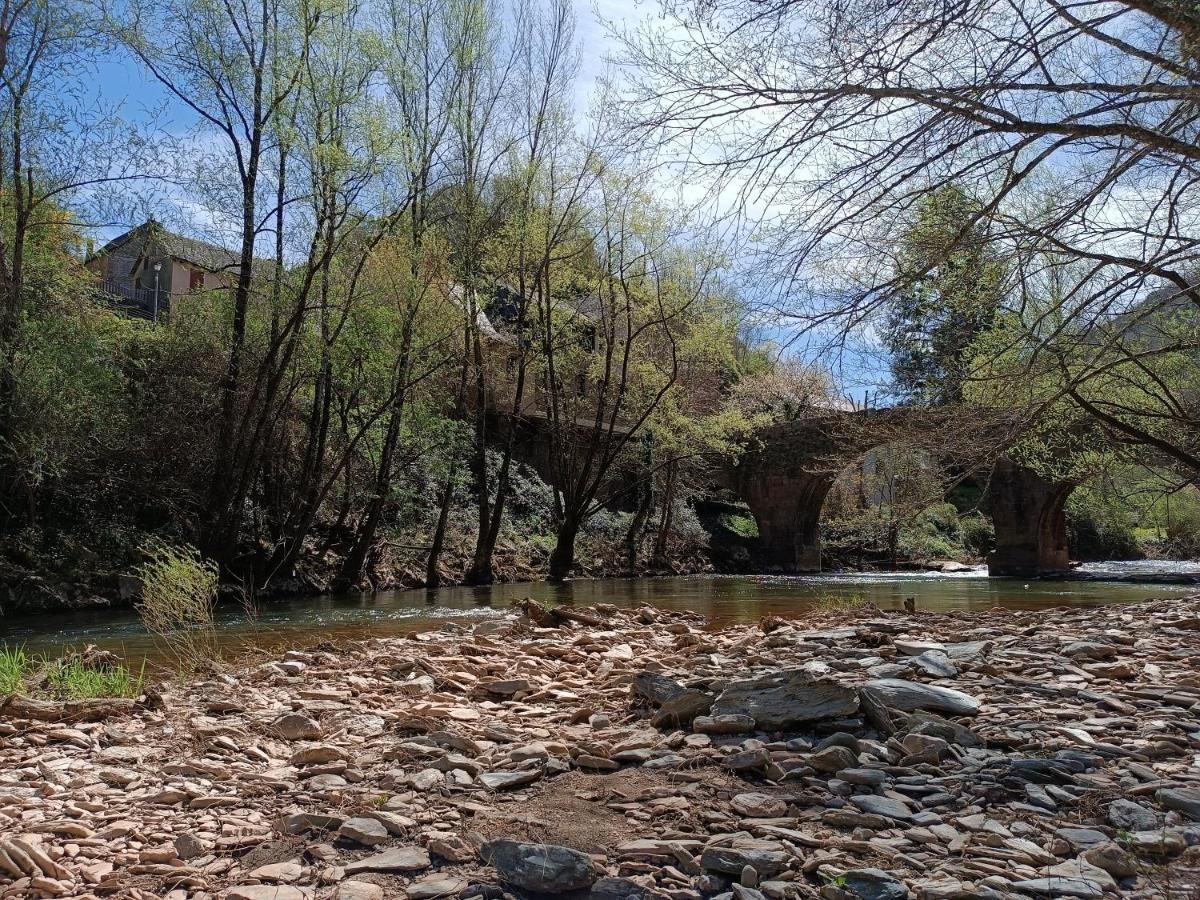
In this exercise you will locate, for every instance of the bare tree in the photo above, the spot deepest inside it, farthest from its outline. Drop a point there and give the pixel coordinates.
(611, 358)
(826, 122)
(235, 67)
(538, 220)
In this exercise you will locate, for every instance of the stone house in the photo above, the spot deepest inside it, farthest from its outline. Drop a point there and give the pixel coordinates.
(148, 269)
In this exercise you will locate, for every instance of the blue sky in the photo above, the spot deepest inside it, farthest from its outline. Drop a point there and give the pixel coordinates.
(120, 78)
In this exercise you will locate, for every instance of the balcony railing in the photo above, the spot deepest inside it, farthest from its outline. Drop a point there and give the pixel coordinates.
(143, 303)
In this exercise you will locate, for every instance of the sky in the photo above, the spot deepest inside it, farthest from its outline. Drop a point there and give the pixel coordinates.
(121, 79)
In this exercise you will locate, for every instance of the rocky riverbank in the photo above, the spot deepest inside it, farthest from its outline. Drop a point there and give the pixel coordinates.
(606, 754)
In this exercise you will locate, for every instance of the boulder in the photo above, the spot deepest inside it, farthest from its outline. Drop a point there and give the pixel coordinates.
(541, 868)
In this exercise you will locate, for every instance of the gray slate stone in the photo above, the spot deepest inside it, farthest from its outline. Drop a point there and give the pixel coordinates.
(541, 868)
(786, 698)
(935, 663)
(875, 884)
(1130, 816)
(759, 855)
(912, 695)
(882, 806)
(504, 781)
(1059, 887)
(1182, 800)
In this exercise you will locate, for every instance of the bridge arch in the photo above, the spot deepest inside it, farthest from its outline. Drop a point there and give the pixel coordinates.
(786, 480)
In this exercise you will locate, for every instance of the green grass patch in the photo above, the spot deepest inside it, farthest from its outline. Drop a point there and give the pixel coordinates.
(13, 666)
(72, 680)
(68, 678)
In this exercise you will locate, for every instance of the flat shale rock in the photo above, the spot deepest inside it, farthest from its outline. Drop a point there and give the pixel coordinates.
(1182, 800)
(358, 890)
(398, 859)
(506, 781)
(1055, 886)
(764, 857)
(786, 698)
(268, 892)
(909, 696)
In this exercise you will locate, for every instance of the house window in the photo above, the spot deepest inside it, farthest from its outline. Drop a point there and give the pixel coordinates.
(195, 280)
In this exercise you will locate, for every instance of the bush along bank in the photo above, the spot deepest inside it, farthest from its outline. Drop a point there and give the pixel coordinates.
(595, 753)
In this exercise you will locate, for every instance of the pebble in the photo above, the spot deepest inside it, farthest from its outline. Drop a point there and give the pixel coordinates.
(639, 754)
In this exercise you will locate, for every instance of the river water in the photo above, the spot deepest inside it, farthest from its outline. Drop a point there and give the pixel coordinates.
(723, 599)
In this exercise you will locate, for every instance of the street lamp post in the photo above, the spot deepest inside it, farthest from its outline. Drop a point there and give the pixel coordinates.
(157, 270)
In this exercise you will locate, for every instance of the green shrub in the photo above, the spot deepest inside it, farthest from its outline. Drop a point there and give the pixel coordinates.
(978, 534)
(179, 595)
(1097, 528)
(1183, 528)
(69, 678)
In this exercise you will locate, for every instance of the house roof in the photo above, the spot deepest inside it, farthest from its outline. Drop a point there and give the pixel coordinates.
(201, 254)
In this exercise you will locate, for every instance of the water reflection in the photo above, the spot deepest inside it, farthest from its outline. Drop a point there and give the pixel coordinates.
(722, 599)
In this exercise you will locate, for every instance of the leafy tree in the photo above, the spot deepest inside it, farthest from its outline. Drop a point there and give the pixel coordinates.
(949, 288)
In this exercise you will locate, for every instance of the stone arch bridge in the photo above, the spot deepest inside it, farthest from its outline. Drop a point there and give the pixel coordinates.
(786, 476)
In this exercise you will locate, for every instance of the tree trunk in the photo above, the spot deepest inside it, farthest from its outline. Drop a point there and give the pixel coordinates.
(641, 515)
(562, 559)
(433, 574)
(659, 560)
(353, 566)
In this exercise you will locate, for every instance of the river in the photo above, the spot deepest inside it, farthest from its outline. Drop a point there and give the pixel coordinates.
(723, 599)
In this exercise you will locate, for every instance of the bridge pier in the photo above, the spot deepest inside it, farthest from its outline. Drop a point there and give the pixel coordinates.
(787, 508)
(1028, 514)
